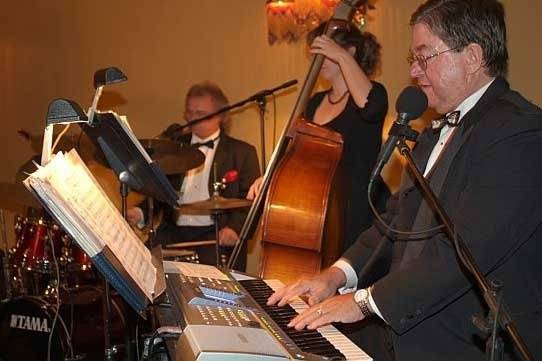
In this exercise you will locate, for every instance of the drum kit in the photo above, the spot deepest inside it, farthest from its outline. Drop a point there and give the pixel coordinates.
(174, 158)
(46, 276)
(48, 280)
(40, 242)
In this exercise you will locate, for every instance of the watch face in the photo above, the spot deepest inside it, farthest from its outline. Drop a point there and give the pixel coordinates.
(361, 295)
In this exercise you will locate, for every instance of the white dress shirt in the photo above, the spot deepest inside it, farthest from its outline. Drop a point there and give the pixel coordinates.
(195, 185)
(445, 135)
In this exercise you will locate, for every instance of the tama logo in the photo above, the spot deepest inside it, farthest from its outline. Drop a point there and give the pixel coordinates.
(29, 323)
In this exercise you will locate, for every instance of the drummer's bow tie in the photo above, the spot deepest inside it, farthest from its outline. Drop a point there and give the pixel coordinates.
(209, 144)
(450, 119)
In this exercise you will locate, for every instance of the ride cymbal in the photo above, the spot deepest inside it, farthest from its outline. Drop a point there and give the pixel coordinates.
(172, 157)
(214, 204)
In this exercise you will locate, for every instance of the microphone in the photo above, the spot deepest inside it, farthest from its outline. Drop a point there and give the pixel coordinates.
(412, 102)
(174, 131)
(267, 92)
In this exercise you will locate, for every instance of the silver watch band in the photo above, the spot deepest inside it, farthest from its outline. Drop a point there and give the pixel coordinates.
(364, 307)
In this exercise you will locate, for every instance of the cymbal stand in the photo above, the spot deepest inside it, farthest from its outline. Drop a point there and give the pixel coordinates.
(215, 214)
(5, 260)
(220, 260)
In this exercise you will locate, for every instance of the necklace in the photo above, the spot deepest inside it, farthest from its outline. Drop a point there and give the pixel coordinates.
(333, 102)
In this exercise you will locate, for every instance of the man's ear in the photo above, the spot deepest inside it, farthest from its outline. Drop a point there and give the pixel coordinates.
(351, 50)
(474, 57)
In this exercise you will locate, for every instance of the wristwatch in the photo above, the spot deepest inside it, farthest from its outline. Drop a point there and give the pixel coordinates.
(362, 299)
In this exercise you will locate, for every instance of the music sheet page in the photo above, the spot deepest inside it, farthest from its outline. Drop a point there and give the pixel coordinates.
(83, 208)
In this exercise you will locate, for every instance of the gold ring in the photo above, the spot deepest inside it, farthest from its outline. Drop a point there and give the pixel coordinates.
(319, 312)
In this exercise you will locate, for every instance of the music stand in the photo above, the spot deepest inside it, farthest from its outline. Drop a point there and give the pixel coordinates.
(134, 169)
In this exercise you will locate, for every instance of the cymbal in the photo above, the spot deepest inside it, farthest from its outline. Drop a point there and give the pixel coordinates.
(14, 196)
(214, 204)
(172, 157)
(84, 146)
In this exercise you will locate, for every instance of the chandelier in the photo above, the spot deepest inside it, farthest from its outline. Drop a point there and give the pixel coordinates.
(291, 20)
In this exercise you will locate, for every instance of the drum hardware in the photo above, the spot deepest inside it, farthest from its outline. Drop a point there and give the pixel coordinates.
(215, 206)
(5, 260)
(181, 255)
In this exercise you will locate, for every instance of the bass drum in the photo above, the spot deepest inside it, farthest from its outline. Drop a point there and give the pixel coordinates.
(26, 324)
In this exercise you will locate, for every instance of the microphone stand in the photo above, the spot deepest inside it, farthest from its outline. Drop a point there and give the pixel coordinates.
(491, 293)
(260, 100)
(111, 350)
(252, 98)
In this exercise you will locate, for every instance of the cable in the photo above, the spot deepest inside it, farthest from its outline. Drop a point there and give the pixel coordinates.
(494, 333)
(60, 136)
(163, 332)
(57, 291)
(78, 142)
(137, 337)
(143, 355)
(72, 318)
(388, 227)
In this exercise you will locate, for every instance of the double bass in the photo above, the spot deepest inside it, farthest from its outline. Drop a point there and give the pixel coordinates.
(301, 225)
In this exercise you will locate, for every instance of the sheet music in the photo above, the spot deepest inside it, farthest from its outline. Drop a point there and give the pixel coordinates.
(124, 124)
(84, 210)
(195, 270)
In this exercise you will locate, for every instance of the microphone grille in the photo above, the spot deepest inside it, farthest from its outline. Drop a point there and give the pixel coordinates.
(411, 101)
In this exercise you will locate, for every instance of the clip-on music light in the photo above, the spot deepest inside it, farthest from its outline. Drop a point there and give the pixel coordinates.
(103, 77)
(60, 111)
(65, 111)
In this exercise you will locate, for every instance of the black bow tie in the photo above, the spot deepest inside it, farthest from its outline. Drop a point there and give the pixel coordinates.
(209, 144)
(450, 119)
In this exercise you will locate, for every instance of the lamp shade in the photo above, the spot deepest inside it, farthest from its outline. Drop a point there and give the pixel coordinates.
(64, 111)
(108, 76)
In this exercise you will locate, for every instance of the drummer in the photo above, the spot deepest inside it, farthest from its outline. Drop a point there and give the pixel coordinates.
(222, 153)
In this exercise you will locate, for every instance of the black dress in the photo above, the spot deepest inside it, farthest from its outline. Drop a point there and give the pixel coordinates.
(361, 129)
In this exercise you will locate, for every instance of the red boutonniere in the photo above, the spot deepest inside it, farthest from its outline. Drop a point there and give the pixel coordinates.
(230, 176)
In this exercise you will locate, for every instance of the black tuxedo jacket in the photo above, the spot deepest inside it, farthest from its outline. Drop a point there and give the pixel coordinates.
(491, 187)
(230, 154)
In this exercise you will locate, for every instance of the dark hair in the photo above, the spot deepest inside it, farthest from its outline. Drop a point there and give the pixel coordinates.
(367, 48)
(462, 22)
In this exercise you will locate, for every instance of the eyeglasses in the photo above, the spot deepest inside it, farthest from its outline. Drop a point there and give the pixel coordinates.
(195, 114)
(422, 60)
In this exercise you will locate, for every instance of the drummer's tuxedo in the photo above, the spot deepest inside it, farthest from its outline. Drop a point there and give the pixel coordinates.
(489, 180)
(230, 154)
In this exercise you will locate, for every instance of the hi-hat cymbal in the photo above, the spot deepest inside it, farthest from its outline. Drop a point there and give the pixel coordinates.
(172, 157)
(214, 204)
(14, 196)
